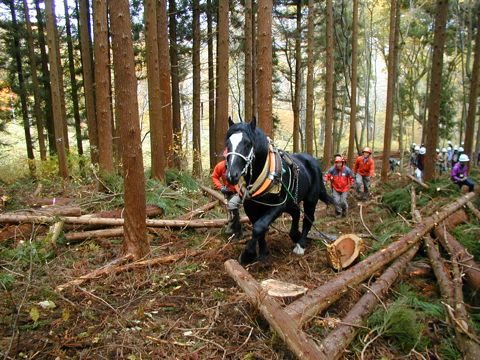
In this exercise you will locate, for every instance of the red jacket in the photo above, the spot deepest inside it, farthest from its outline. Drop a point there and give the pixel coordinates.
(364, 168)
(219, 177)
(341, 180)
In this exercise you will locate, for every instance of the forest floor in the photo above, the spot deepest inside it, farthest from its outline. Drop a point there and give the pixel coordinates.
(192, 309)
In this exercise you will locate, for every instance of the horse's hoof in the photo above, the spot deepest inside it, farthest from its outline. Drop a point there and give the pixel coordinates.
(299, 250)
(247, 258)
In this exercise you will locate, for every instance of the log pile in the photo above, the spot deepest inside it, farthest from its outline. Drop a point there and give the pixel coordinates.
(289, 320)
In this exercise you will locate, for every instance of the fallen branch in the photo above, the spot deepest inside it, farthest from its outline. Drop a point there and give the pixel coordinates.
(416, 217)
(200, 211)
(422, 184)
(37, 202)
(151, 211)
(474, 210)
(214, 194)
(50, 211)
(336, 341)
(116, 267)
(298, 341)
(322, 297)
(455, 307)
(455, 249)
(14, 219)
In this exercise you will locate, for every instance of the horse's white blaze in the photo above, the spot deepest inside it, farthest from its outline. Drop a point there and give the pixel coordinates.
(299, 250)
(235, 140)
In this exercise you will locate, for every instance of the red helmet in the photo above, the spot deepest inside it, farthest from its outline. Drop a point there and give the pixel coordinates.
(367, 150)
(339, 158)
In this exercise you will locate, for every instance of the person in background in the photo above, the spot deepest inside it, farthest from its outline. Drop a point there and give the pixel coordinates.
(220, 182)
(444, 161)
(461, 150)
(454, 156)
(420, 165)
(363, 170)
(438, 161)
(413, 158)
(449, 153)
(459, 174)
(340, 177)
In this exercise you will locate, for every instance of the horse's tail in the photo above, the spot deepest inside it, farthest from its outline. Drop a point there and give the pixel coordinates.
(323, 195)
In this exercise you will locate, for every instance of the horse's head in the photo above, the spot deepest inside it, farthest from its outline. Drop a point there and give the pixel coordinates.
(240, 144)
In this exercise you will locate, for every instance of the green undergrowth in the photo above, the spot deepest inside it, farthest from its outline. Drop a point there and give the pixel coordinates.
(468, 235)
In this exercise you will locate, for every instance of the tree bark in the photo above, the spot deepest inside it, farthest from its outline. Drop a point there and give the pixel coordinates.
(211, 87)
(337, 341)
(196, 111)
(45, 79)
(435, 90)
(264, 67)
(58, 118)
(165, 85)
(126, 103)
(221, 103)
(248, 79)
(88, 80)
(309, 121)
(35, 84)
(21, 83)
(73, 81)
(473, 98)
(392, 69)
(154, 99)
(301, 345)
(322, 297)
(353, 93)
(176, 121)
(102, 87)
(328, 143)
(254, 60)
(298, 79)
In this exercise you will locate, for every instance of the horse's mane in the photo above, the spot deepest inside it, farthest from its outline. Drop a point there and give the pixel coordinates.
(258, 137)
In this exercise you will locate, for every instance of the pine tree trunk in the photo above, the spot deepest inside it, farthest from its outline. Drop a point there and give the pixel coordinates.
(154, 99)
(387, 140)
(126, 102)
(35, 84)
(435, 88)
(353, 94)
(165, 83)
(298, 79)
(248, 97)
(473, 98)
(52, 149)
(211, 87)
(254, 60)
(55, 88)
(73, 80)
(196, 111)
(88, 80)
(309, 122)
(328, 143)
(102, 88)
(221, 104)
(62, 93)
(176, 121)
(264, 66)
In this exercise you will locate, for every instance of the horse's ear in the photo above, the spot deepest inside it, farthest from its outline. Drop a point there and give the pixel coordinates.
(253, 123)
(230, 121)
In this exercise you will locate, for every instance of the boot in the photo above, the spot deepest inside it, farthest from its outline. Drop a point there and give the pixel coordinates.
(234, 226)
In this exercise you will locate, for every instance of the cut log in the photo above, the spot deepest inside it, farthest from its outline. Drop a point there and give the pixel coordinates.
(416, 216)
(422, 184)
(301, 345)
(53, 210)
(214, 194)
(15, 219)
(344, 251)
(453, 298)
(283, 290)
(152, 211)
(337, 341)
(322, 297)
(474, 210)
(457, 218)
(54, 233)
(37, 202)
(471, 268)
(198, 212)
(118, 266)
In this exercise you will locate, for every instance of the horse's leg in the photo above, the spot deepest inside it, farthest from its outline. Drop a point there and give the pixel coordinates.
(308, 218)
(294, 232)
(260, 227)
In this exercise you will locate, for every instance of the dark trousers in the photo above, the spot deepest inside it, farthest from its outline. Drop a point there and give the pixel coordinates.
(467, 182)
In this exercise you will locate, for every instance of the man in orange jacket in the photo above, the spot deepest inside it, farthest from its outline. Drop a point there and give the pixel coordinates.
(341, 178)
(219, 180)
(363, 170)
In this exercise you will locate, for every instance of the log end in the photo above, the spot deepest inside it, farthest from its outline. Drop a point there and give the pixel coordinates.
(344, 251)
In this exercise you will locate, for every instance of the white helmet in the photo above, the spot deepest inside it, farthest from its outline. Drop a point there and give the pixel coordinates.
(413, 145)
(461, 149)
(444, 150)
(449, 142)
(417, 148)
(455, 148)
(463, 158)
(462, 143)
(437, 150)
(423, 150)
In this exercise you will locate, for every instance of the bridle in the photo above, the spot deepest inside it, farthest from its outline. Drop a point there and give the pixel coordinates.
(248, 160)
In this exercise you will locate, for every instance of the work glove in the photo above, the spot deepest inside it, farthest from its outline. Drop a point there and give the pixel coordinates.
(224, 190)
(461, 176)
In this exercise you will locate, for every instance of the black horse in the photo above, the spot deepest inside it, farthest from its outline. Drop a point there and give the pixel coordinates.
(299, 179)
